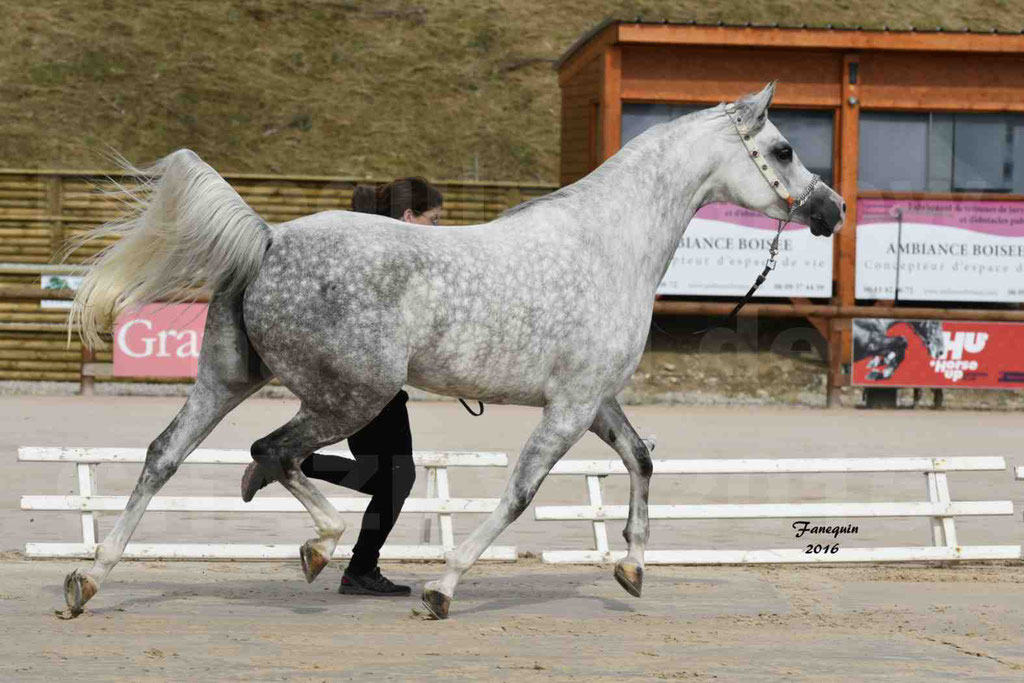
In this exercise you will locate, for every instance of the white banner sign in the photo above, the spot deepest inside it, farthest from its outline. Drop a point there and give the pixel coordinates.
(725, 248)
(947, 250)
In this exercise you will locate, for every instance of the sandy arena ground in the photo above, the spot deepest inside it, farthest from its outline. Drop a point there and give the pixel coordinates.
(526, 621)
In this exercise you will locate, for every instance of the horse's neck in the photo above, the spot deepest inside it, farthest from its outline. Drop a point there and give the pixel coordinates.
(641, 203)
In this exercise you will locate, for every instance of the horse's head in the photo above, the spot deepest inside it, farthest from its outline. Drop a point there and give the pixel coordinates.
(759, 170)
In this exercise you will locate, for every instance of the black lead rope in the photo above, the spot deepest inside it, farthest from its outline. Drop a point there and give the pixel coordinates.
(773, 251)
(470, 410)
(769, 266)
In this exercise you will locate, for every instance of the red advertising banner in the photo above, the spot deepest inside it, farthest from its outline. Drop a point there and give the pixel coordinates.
(159, 340)
(936, 353)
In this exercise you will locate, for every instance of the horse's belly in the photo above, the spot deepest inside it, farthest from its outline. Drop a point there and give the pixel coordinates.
(495, 381)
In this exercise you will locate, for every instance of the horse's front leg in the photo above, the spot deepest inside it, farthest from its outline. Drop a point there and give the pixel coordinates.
(560, 428)
(614, 429)
(210, 400)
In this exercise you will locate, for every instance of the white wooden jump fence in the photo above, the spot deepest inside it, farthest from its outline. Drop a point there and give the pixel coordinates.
(439, 504)
(939, 507)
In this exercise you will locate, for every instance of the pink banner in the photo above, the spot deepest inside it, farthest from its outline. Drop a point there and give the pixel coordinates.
(1005, 219)
(159, 340)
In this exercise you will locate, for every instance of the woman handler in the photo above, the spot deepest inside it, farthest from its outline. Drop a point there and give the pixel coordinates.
(383, 466)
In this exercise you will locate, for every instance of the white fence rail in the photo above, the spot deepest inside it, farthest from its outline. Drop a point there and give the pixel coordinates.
(939, 508)
(437, 505)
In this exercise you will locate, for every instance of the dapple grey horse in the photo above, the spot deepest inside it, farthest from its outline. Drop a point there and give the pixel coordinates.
(547, 306)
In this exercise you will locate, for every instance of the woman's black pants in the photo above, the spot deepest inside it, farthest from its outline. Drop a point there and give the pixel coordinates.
(383, 468)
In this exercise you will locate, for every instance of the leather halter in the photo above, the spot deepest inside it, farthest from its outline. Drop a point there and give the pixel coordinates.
(769, 174)
(773, 180)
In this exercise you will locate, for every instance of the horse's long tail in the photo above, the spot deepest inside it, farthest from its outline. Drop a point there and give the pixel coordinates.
(188, 230)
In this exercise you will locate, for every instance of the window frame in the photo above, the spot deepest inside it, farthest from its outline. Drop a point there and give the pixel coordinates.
(967, 195)
(836, 113)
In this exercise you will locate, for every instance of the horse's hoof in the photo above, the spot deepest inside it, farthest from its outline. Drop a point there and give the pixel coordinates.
(79, 587)
(436, 602)
(630, 576)
(313, 561)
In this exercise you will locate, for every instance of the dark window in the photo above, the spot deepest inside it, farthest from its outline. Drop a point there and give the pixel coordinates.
(810, 134)
(809, 131)
(940, 152)
(893, 152)
(638, 117)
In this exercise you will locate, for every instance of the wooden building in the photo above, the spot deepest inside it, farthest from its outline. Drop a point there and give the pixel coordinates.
(895, 115)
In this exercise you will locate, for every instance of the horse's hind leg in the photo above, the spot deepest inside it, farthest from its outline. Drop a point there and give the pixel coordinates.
(281, 453)
(559, 429)
(229, 371)
(614, 429)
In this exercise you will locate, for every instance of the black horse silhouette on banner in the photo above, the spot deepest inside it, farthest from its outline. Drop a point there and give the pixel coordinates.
(871, 340)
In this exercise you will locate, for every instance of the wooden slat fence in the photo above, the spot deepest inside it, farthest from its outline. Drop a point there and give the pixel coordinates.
(439, 506)
(41, 210)
(939, 508)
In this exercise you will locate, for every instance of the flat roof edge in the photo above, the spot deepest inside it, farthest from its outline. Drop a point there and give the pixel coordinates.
(599, 28)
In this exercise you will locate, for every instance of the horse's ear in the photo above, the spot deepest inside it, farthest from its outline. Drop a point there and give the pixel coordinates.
(753, 108)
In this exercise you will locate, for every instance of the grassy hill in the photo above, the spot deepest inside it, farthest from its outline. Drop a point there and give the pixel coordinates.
(445, 88)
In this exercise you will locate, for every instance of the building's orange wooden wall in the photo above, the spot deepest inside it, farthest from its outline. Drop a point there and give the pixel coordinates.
(713, 75)
(941, 82)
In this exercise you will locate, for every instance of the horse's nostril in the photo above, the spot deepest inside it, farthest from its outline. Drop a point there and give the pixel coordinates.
(844, 207)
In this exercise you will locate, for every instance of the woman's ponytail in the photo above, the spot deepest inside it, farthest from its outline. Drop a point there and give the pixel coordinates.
(394, 198)
(364, 199)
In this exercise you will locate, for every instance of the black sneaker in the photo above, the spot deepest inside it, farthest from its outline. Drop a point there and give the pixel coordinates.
(370, 583)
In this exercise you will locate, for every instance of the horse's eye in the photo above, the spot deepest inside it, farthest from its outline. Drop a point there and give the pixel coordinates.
(784, 153)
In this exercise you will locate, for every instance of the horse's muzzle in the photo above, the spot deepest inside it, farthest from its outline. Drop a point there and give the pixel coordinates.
(819, 225)
(824, 212)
